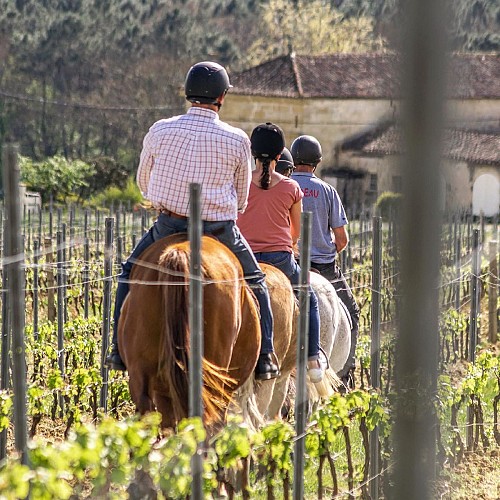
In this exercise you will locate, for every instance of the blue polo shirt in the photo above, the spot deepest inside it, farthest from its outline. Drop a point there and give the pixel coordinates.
(323, 201)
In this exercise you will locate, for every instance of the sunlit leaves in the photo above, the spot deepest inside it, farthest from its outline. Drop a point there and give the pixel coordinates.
(5, 409)
(313, 28)
(56, 176)
(232, 443)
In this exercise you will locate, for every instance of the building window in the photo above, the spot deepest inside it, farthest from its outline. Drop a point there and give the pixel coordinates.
(373, 182)
(397, 185)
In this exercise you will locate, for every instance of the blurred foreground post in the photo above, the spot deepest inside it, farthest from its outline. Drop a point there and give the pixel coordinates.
(423, 67)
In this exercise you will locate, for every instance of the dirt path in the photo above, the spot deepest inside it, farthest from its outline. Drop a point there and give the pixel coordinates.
(478, 477)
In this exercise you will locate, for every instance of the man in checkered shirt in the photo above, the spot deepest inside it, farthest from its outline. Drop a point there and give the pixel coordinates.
(198, 147)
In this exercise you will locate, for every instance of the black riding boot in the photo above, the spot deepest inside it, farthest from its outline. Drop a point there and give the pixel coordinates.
(266, 369)
(114, 360)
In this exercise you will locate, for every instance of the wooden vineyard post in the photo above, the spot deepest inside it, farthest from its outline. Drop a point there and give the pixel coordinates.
(60, 310)
(375, 349)
(49, 260)
(301, 363)
(16, 298)
(493, 293)
(36, 258)
(196, 331)
(474, 315)
(106, 313)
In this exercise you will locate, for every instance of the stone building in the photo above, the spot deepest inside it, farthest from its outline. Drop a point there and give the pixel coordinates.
(470, 174)
(348, 101)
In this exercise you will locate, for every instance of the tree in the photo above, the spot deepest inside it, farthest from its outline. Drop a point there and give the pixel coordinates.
(87, 77)
(475, 25)
(310, 27)
(56, 177)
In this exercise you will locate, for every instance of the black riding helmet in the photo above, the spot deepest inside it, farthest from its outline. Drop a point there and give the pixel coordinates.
(205, 82)
(285, 162)
(306, 150)
(267, 141)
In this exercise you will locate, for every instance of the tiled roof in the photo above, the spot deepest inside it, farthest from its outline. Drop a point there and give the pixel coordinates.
(463, 145)
(372, 75)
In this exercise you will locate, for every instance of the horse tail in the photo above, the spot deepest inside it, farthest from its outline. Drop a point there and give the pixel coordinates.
(174, 337)
(217, 394)
(174, 344)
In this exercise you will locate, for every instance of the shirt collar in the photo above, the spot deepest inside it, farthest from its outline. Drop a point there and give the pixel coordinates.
(207, 113)
(304, 174)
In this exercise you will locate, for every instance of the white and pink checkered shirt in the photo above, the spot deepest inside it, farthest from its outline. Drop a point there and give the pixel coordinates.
(196, 147)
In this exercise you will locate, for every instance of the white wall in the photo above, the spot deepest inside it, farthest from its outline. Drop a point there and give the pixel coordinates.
(329, 120)
(486, 195)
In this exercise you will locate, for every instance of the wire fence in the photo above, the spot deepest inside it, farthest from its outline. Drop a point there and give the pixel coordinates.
(66, 280)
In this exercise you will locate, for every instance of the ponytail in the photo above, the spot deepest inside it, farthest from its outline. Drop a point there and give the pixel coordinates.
(265, 178)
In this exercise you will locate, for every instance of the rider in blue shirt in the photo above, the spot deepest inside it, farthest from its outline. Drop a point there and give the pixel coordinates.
(329, 235)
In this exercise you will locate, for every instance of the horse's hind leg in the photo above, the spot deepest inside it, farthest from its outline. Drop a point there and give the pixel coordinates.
(139, 392)
(279, 395)
(164, 406)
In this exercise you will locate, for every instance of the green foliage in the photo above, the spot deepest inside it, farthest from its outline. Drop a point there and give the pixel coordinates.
(479, 385)
(232, 443)
(60, 178)
(56, 177)
(474, 25)
(15, 480)
(87, 79)
(85, 66)
(312, 27)
(108, 172)
(105, 458)
(274, 445)
(388, 204)
(5, 409)
(114, 195)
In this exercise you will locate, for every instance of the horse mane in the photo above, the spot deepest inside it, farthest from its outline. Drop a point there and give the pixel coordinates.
(173, 365)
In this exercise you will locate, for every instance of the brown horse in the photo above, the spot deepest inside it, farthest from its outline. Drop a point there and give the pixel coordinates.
(153, 331)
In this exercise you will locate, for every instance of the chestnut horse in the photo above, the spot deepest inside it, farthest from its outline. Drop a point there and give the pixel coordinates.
(153, 330)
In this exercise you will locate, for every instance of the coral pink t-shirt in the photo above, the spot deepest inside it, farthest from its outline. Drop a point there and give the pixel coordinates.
(265, 224)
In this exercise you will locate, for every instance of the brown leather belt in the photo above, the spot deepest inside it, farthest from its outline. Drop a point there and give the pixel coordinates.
(171, 214)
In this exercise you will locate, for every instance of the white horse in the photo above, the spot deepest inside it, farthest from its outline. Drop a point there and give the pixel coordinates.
(335, 322)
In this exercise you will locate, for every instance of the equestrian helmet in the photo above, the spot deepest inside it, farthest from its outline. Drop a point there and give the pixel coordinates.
(267, 141)
(306, 150)
(205, 82)
(285, 163)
